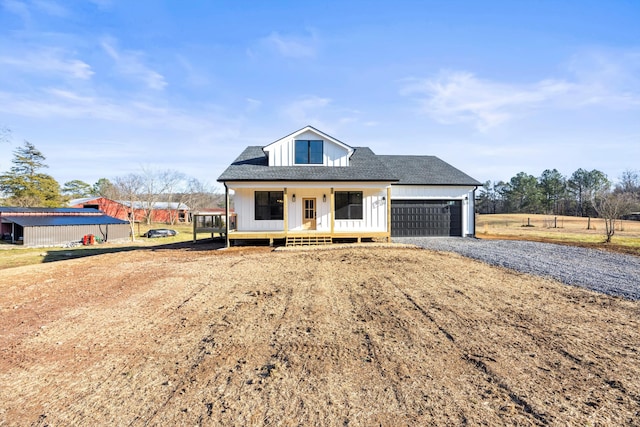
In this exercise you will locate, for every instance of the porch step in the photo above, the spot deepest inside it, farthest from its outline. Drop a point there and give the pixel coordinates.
(311, 240)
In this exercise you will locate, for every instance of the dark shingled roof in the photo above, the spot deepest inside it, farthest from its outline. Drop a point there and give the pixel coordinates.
(57, 220)
(426, 170)
(252, 165)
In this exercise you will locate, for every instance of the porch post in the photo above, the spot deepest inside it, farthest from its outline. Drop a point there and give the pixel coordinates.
(226, 208)
(285, 207)
(332, 211)
(388, 214)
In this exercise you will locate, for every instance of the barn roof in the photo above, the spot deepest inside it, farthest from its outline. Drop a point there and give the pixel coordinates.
(59, 220)
(155, 205)
(83, 200)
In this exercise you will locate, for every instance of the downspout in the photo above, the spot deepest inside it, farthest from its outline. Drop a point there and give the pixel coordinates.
(474, 211)
(226, 208)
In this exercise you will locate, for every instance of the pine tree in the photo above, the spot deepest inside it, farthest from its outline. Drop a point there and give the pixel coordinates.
(25, 185)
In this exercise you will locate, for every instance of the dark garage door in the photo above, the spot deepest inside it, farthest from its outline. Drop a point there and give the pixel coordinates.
(410, 218)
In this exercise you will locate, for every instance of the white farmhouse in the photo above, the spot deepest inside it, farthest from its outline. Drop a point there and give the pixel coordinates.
(310, 187)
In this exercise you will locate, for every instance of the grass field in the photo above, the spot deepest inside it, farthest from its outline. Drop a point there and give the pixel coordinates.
(559, 229)
(15, 255)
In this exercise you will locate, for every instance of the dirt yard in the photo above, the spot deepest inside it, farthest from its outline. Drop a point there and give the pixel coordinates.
(352, 336)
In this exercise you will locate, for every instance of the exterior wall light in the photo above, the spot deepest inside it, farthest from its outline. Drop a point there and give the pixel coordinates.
(324, 197)
(293, 198)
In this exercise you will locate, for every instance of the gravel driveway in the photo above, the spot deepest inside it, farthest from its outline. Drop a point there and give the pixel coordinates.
(601, 271)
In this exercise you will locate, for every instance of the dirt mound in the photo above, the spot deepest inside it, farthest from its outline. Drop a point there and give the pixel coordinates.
(351, 336)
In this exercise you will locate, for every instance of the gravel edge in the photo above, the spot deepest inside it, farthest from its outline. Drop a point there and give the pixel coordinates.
(598, 270)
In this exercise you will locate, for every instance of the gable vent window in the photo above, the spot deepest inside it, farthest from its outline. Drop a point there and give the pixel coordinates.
(308, 152)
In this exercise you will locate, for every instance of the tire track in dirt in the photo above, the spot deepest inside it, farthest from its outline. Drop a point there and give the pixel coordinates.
(368, 313)
(478, 360)
(260, 309)
(538, 337)
(475, 361)
(211, 349)
(378, 314)
(538, 333)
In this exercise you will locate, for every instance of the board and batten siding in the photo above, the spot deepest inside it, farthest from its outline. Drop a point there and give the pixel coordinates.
(282, 153)
(374, 208)
(463, 193)
(244, 205)
(374, 213)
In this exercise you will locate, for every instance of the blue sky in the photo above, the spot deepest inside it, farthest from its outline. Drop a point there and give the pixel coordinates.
(108, 87)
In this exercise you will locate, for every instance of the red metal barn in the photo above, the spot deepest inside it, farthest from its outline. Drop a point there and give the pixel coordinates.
(161, 212)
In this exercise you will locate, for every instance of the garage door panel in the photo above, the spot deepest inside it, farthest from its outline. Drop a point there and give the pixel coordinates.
(415, 218)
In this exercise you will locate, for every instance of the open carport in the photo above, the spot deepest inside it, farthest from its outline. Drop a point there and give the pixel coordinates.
(57, 226)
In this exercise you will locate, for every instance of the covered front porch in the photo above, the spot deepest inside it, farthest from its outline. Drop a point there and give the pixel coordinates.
(304, 213)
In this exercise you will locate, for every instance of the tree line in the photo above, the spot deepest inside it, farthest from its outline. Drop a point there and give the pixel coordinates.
(584, 193)
(26, 185)
(553, 193)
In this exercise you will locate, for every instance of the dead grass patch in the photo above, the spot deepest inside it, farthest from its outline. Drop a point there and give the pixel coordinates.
(568, 230)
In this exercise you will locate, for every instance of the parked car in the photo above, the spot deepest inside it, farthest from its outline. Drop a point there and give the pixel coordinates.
(160, 232)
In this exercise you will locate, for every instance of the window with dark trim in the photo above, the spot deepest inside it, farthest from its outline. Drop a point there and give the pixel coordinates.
(308, 152)
(348, 204)
(269, 205)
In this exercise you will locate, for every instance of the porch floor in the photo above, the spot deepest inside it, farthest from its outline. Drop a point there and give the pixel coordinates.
(306, 237)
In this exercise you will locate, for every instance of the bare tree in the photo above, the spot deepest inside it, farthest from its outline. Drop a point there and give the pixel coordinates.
(200, 195)
(611, 206)
(5, 134)
(172, 181)
(629, 182)
(152, 188)
(129, 188)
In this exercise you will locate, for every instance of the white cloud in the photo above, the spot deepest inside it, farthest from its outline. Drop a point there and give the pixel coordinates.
(594, 79)
(51, 8)
(307, 111)
(454, 97)
(323, 113)
(193, 75)
(50, 60)
(253, 104)
(608, 78)
(292, 46)
(130, 63)
(18, 8)
(102, 4)
(56, 104)
(24, 9)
